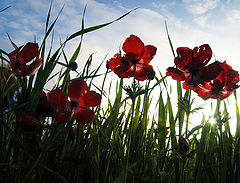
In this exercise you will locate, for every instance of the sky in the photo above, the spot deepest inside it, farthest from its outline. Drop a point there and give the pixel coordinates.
(190, 23)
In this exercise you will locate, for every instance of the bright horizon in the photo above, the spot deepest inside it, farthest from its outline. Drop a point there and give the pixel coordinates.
(191, 23)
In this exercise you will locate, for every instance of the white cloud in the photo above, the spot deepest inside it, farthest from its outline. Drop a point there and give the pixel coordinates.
(234, 17)
(202, 20)
(200, 6)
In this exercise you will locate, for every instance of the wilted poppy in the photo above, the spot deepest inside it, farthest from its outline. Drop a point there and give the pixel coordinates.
(27, 122)
(79, 102)
(136, 59)
(22, 56)
(220, 87)
(192, 66)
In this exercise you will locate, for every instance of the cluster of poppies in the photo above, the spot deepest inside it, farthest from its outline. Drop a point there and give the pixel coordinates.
(55, 103)
(216, 80)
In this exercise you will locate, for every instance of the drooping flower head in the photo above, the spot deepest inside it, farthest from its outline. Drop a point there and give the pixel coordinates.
(136, 55)
(23, 55)
(44, 107)
(222, 86)
(192, 66)
(79, 102)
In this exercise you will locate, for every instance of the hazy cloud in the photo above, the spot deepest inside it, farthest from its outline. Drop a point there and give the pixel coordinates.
(200, 7)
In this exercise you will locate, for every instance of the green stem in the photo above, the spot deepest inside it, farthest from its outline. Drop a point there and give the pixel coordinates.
(129, 145)
(219, 122)
(188, 110)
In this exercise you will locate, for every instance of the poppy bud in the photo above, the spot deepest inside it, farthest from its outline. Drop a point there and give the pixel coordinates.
(73, 66)
(184, 145)
(151, 75)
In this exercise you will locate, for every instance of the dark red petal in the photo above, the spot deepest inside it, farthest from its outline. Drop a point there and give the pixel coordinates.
(209, 72)
(224, 94)
(58, 99)
(133, 46)
(149, 52)
(29, 70)
(142, 71)
(29, 52)
(202, 55)
(62, 116)
(176, 74)
(114, 62)
(84, 116)
(90, 99)
(203, 93)
(183, 61)
(14, 53)
(186, 85)
(124, 71)
(75, 89)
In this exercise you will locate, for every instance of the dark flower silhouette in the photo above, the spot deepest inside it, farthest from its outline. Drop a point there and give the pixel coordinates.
(220, 87)
(27, 122)
(192, 66)
(21, 56)
(136, 59)
(79, 102)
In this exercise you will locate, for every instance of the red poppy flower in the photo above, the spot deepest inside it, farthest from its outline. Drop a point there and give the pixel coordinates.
(220, 87)
(192, 66)
(79, 102)
(27, 122)
(137, 55)
(22, 56)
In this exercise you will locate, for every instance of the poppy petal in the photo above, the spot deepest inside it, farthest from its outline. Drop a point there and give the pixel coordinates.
(14, 53)
(133, 46)
(58, 99)
(84, 116)
(149, 52)
(29, 70)
(75, 89)
(142, 71)
(29, 52)
(90, 99)
(203, 93)
(210, 72)
(62, 116)
(202, 54)
(176, 74)
(183, 60)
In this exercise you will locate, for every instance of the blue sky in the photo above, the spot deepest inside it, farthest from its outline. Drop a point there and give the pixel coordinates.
(191, 23)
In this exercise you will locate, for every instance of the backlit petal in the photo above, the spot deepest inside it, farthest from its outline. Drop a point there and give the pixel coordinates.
(202, 55)
(90, 99)
(58, 99)
(29, 70)
(133, 46)
(75, 89)
(176, 74)
(149, 52)
(84, 116)
(183, 60)
(29, 52)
